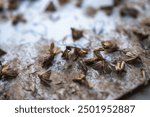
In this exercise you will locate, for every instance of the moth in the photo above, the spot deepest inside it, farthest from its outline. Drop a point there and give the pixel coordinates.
(2, 52)
(7, 72)
(18, 18)
(44, 78)
(120, 67)
(53, 51)
(76, 34)
(107, 9)
(129, 11)
(51, 7)
(13, 4)
(109, 46)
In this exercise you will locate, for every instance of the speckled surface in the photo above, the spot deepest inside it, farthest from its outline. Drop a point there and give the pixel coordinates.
(27, 44)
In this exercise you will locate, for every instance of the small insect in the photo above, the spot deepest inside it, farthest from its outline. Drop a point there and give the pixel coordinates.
(76, 34)
(53, 51)
(91, 61)
(62, 2)
(81, 79)
(18, 18)
(2, 52)
(81, 52)
(120, 67)
(129, 11)
(98, 54)
(51, 7)
(7, 73)
(109, 46)
(107, 9)
(44, 77)
(73, 53)
(132, 58)
(13, 4)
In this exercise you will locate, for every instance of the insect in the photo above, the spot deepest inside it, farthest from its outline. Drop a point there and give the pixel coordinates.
(129, 11)
(53, 51)
(76, 34)
(2, 52)
(51, 7)
(7, 72)
(108, 9)
(109, 46)
(18, 18)
(120, 67)
(74, 52)
(132, 58)
(81, 79)
(44, 77)
(13, 4)
(98, 54)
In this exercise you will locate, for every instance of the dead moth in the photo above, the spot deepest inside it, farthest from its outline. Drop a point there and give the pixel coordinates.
(73, 53)
(109, 46)
(132, 58)
(82, 66)
(44, 78)
(63, 2)
(7, 72)
(18, 18)
(51, 7)
(120, 67)
(76, 34)
(81, 79)
(100, 65)
(107, 9)
(81, 52)
(98, 54)
(13, 4)
(69, 53)
(53, 51)
(2, 52)
(129, 11)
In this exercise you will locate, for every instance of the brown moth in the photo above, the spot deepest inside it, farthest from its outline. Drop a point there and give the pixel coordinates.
(129, 11)
(51, 7)
(44, 78)
(7, 72)
(109, 46)
(53, 51)
(76, 34)
(107, 9)
(120, 67)
(13, 4)
(2, 52)
(18, 18)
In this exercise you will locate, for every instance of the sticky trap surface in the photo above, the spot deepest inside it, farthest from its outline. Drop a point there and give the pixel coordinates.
(34, 64)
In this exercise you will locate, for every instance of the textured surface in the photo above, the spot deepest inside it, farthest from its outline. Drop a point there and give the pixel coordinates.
(27, 45)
